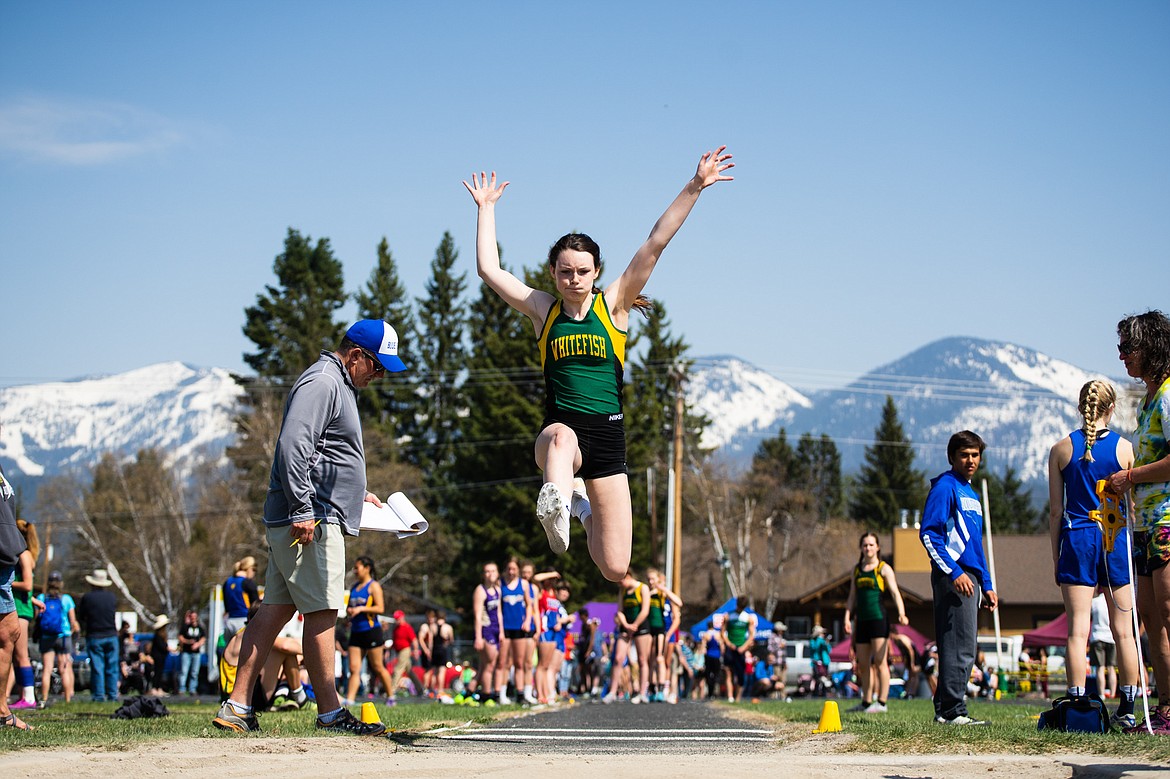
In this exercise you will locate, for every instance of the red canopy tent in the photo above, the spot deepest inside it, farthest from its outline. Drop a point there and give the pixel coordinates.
(1055, 633)
(840, 652)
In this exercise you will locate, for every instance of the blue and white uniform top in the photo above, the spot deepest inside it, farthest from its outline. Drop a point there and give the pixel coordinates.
(359, 595)
(236, 598)
(514, 608)
(1081, 477)
(952, 529)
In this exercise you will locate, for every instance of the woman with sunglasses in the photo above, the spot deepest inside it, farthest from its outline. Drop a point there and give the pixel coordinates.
(582, 338)
(1144, 347)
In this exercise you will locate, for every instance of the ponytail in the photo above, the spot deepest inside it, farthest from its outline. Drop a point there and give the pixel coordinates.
(642, 304)
(1096, 396)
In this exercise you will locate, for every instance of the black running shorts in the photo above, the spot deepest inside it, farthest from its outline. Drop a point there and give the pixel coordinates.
(601, 439)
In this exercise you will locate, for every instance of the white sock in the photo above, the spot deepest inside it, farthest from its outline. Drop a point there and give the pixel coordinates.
(580, 508)
(240, 708)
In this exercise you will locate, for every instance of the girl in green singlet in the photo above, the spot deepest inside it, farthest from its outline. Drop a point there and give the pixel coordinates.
(663, 620)
(865, 620)
(582, 334)
(632, 627)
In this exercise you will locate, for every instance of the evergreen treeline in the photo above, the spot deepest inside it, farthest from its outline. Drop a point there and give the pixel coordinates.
(456, 433)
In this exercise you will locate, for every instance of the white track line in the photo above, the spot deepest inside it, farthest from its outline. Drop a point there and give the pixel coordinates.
(505, 736)
(629, 730)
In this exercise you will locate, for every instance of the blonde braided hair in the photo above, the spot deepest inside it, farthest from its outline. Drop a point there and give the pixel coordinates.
(1097, 397)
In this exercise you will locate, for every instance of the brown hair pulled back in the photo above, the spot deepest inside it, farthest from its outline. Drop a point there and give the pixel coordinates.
(580, 242)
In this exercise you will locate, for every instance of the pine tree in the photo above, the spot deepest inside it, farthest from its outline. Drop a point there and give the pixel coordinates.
(442, 361)
(649, 402)
(1012, 510)
(390, 402)
(291, 323)
(819, 471)
(492, 510)
(775, 480)
(888, 481)
(776, 459)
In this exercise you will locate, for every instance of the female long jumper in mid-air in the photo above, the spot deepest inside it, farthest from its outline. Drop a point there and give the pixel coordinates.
(582, 337)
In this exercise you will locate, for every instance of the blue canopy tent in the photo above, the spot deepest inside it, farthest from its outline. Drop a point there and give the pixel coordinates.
(763, 626)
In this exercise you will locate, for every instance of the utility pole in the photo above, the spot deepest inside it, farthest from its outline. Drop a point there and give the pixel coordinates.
(676, 486)
(652, 508)
(48, 547)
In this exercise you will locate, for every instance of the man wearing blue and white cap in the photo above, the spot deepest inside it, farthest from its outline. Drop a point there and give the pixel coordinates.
(315, 493)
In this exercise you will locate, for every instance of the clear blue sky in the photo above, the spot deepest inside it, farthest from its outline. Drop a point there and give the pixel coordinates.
(906, 170)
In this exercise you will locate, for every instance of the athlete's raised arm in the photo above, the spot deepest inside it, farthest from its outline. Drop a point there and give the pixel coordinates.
(532, 303)
(624, 291)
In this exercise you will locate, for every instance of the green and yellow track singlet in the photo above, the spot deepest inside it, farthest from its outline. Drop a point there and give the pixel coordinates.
(870, 586)
(632, 603)
(657, 617)
(582, 361)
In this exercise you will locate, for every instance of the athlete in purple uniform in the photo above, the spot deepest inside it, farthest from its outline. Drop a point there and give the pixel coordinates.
(486, 603)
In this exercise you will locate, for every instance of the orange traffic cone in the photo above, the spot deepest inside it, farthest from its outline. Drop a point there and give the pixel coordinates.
(830, 718)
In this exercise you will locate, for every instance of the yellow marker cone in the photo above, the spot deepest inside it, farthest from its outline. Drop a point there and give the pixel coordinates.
(370, 713)
(830, 718)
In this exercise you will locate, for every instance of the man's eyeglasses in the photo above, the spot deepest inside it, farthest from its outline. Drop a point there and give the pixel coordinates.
(1126, 347)
(378, 366)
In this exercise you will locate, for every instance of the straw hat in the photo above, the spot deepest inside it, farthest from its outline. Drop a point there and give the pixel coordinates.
(162, 622)
(100, 578)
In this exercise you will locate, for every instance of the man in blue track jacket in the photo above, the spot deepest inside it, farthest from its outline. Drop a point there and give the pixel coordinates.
(952, 532)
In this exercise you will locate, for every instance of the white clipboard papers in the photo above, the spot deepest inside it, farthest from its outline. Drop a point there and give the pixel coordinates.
(397, 515)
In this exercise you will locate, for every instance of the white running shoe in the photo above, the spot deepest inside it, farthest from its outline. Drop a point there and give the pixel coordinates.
(611, 698)
(579, 503)
(504, 700)
(961, 719)
(530, 699)
(876, 708)
(553, 516)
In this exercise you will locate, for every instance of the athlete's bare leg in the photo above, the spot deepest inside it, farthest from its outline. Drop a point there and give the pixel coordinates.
(611, 530)
(558, 456)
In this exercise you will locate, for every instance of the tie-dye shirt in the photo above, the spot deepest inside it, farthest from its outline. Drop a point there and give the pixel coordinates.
(1152, 501)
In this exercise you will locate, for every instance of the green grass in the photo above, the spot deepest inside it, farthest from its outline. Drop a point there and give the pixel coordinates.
(908, 728)
(82, 724)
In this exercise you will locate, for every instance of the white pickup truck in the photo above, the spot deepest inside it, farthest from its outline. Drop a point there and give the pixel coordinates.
(800, 662)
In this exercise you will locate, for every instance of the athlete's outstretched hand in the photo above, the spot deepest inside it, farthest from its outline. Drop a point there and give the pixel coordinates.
(484, 190)
(711, 167)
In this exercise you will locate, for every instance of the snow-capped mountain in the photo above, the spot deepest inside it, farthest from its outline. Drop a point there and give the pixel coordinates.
(47, 429)
(1019, 400)
(742, 402)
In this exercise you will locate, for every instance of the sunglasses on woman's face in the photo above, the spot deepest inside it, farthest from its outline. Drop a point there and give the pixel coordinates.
(1126, 348)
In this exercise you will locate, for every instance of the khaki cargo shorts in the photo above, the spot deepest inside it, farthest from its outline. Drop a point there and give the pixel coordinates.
(309, 576)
